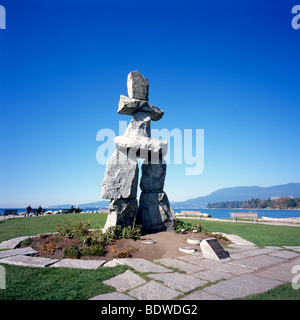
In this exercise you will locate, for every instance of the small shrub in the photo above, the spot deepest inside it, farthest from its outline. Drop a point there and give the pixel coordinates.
(218, 236)
(132, 232)
(74, 229)
(197, 227)
(119, 232)
(121, 253)
(94, 250)
(72, 253)
(183, 227)
(27, 241)
(49, 248)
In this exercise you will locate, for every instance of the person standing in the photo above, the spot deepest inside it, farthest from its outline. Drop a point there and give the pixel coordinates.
(28, 211)
(39, 210)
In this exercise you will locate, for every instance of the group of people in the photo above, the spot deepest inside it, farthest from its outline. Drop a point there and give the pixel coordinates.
(28, 211)
(76, 210)
(39, 210)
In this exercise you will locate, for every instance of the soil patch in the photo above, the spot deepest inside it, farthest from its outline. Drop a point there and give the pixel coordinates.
(166, 246)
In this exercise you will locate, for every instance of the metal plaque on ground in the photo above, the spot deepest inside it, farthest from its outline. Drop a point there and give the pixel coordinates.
(212, 249)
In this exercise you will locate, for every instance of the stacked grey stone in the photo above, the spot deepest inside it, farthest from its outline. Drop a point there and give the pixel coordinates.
(121, 175)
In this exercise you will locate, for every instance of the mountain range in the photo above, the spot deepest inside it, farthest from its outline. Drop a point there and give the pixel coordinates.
(225, 194)
(240, 194)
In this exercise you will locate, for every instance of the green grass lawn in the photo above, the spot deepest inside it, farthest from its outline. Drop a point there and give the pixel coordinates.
(282, 292)
(27, 283)
(261, 235)
(17, 227)
(66, 283)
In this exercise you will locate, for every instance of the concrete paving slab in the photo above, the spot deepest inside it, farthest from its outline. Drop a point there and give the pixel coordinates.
(182, 265)
(294, 248)
(213, 275)
(179, 281)
(153, 290)
(224, 267)
(242, 286)
(28, 261)
(125, 281)
(273, 247)
(13, 243)
(192, 258)
(142, 265)
(112, 296)
(238, 240)
(20, 251)
(285, 254)
(239, 247)
(258, 262)
(257, 252)
(282, 272)
(201, 295)
(237, 255)
(79, 264)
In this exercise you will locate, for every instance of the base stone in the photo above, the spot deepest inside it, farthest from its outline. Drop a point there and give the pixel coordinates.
(155, 213)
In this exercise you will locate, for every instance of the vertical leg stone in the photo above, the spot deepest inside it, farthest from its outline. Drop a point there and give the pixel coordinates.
(155, 213)
(153, 177)
(121, 176)
(121, 212)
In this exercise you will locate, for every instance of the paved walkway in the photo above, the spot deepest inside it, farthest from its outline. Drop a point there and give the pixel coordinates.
(251, 270)
(186, 277)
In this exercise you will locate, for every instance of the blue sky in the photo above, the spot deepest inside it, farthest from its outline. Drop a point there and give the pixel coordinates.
(228, 67)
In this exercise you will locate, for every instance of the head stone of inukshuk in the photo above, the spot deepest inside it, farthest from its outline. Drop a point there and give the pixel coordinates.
(121, 176)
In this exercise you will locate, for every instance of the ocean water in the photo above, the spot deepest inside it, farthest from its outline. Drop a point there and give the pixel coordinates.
(225, 213)
(219, 213)
(56, 209)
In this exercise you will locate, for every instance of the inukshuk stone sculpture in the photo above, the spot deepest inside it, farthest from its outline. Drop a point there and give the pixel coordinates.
(121, 175)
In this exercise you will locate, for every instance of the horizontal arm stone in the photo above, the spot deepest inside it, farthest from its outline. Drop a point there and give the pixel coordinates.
(130, 106)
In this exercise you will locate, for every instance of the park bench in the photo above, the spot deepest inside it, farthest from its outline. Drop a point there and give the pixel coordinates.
(66, 211)
(34, 211)
(10, 212)
(244, 215)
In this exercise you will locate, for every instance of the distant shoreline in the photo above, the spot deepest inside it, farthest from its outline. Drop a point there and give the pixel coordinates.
(249, 209)
(181, 208)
